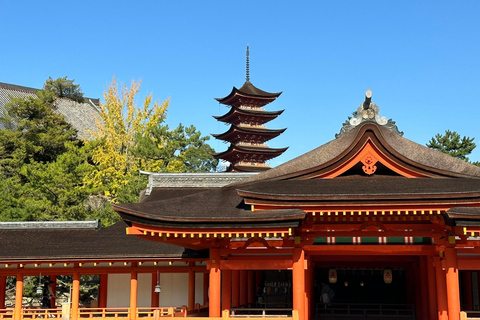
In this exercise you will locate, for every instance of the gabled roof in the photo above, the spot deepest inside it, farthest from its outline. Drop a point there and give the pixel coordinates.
(82, 116)
(405, 153)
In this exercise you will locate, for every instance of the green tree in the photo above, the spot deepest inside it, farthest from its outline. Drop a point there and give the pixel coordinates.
(64, 88)
(453, 144)
(182, 149)
(42, 163)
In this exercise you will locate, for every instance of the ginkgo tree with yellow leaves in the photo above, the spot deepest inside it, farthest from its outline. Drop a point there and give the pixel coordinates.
(132, 138)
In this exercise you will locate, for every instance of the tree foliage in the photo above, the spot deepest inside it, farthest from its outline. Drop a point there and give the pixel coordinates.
(133, 138)
(64, 88)
(48, 173)
(453, 144)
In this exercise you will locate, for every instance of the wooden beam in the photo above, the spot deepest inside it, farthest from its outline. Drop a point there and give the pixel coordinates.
(256, 264)
(375, 250)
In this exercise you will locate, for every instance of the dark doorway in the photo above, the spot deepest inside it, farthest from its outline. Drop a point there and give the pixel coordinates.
(363, 292)
(364, 285)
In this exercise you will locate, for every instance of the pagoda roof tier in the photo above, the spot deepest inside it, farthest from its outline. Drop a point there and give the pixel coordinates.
(236, 134)
(248, 94)
(236, 153)
(236, 115)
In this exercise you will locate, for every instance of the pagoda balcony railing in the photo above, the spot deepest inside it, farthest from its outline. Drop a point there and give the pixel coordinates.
(251, 108)
(257, 164)
(252, 144)
(250, 125)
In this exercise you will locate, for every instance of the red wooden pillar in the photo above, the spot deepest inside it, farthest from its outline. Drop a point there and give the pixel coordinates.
(53, 280)
(154, 301)
(235, 288)
(309, 287)
(102, 294)
(133, 293)
(424, 288)
(258, 280)
(215, 284)
(418, 290)
(453, 292)
(432, 289)
(191, 287)
(442, 304)
(206, 283)
(75, 294)
(467, 289)
(243, 288)
(251, 288)
(18, 297)
(298, 275)
(226, 290)
(3, 287)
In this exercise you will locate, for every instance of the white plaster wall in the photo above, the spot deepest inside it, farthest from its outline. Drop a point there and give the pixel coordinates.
(174, 289)
(118, 292)
(144, 293)
(199, 288)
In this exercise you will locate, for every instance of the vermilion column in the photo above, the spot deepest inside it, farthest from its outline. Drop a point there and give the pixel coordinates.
(441, 291)
(467, 288)
(424, 288)
(432, 289)
(102, 295)
(418, 290)
(191, 287)
(18, 296)
(3, 285)
(235, 288)
(251, 289)
(133, 294)
(75, 294)
(53, 279)
(206, 283)
(226, 290)
(298, 275)
(215, 284)
(154, 301)
(309, 287)
(453, 292)
(243, 288)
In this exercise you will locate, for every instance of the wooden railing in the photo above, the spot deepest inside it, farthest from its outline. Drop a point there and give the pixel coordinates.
(103, 313)
(6, 313)
(393, 311)
(149, 313)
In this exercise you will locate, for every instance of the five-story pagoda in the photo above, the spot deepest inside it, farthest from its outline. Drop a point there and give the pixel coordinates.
(248, 134)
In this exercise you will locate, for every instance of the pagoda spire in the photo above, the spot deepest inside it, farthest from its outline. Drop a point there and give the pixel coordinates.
(248, 66)
(248, 134)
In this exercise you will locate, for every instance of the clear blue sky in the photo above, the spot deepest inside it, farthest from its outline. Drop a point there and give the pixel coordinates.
(420, 59)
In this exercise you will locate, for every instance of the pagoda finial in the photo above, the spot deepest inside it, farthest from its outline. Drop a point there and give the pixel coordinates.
(248, 65)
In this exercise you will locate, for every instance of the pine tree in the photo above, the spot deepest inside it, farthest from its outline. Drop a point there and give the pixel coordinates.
(451, 143)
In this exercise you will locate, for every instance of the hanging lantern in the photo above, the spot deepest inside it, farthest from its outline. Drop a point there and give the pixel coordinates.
(332, 275)
(387, 276)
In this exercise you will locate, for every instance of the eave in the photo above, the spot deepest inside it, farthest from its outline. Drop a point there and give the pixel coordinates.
(260, 135)
(260, 116)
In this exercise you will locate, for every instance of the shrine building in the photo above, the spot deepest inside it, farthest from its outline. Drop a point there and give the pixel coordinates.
(390, 227)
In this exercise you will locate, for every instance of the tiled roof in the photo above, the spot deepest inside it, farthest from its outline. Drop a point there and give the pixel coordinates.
(80, 115)
(75, 243)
